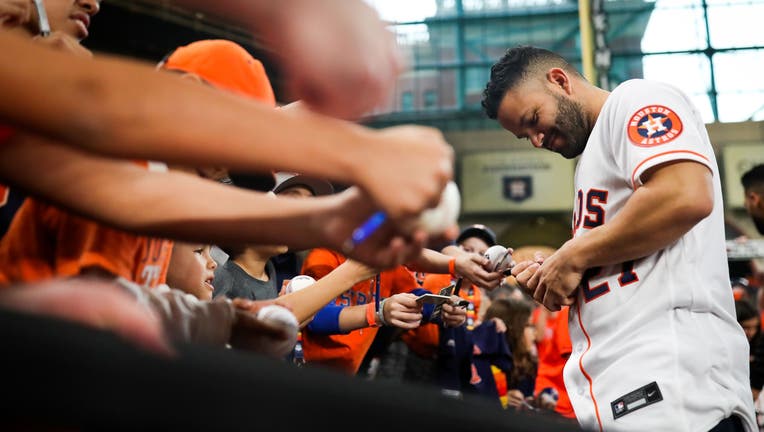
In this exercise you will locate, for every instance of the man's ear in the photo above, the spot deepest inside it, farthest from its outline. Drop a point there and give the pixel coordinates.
(559, 79)
(756, 199)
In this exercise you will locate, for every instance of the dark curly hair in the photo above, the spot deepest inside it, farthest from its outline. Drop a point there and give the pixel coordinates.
(517, 65)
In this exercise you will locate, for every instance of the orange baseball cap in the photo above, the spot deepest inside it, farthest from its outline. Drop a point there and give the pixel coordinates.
(226, 65)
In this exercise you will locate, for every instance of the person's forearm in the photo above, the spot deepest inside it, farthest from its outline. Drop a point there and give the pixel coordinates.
(171, 204)
(126, 109)
(430, 261)
(307, 301)
(353, 318)
(655, 216)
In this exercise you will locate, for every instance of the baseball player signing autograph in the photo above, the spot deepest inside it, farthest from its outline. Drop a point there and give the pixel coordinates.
(656, 345)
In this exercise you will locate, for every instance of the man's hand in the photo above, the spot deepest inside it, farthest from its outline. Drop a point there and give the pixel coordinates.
(554, 282)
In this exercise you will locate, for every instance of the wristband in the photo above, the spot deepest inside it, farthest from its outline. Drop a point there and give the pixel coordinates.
(371, 316)
(381, 313)
(452, 267)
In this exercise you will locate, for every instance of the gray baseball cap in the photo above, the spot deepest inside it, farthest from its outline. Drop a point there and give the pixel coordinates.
(317, 186)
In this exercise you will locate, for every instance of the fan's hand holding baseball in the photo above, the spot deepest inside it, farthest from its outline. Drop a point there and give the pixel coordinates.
(453, 316)
(402, 310)
(472, 267)
(387, 247)
(416, 182)
(266, 333)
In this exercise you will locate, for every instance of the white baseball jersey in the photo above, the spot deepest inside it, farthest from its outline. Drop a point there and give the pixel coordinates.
(656, 344)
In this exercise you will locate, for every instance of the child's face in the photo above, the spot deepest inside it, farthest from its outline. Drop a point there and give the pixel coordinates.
(67, 16)
(192, 270)
(474, 245)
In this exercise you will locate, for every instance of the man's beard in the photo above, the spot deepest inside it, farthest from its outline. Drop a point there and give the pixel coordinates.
(572, 126)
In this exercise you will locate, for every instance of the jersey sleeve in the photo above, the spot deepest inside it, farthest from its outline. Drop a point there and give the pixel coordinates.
(652, 124)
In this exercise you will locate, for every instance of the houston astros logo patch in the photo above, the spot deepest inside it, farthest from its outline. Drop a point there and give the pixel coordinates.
(654, 125)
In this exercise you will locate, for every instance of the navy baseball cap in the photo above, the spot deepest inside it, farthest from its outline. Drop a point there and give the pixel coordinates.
(480, 231)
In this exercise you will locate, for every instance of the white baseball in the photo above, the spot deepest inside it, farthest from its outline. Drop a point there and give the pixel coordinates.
(444, 215)
(499, 258)
(277, 314)
(298, 282)
(284, 318)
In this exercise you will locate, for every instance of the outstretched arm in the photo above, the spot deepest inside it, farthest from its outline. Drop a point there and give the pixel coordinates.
(126, 196)
(466, 265)
(126, 109)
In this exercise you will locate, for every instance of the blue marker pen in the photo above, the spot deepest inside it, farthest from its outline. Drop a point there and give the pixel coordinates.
(365, 231)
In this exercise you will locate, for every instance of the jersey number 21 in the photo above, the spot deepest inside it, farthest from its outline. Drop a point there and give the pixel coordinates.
(594, 217)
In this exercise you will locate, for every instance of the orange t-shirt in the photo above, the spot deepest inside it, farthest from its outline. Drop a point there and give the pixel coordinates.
(345, 352)
(44, 242)
(423, 340)
(552, 361)
(551, 320)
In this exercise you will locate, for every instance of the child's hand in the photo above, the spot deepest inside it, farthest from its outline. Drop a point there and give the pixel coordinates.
(471, 266)
(453, 316)
(271, 337)
(515, 399)
(402, 310)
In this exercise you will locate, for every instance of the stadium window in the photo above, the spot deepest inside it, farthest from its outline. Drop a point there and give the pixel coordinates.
(407, 101)
(430, 98)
